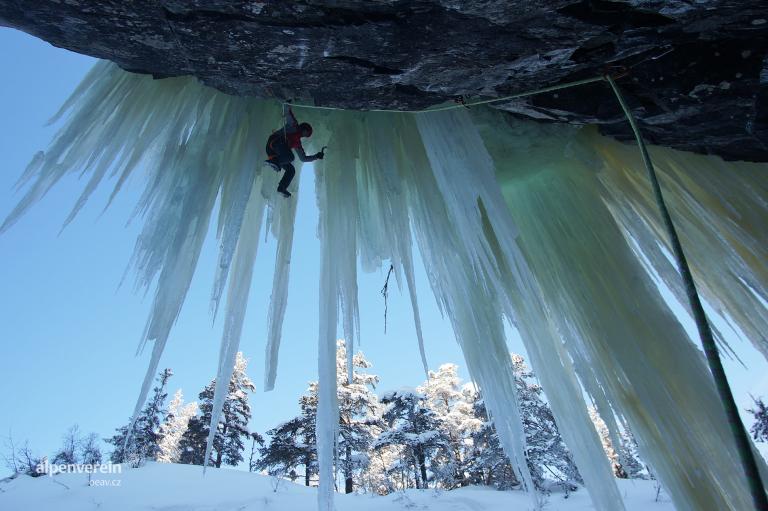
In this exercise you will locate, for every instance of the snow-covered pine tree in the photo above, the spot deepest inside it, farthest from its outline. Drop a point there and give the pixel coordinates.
(453, 407)
(385, 473)
(122, 453)
(256, 440)
(148, 427)
(546, 454)
(414, 427)
(605, 439)
(236, 414)
(288, 449)
(489, 465)
(359, 423)
(144, 439)
(625, 460)
(759, 429)
(232, 429)
(193, 440)
(294, 443)
(174, 426)
(630, 457)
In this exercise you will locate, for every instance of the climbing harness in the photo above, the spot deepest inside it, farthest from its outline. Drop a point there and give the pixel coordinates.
(470, 104)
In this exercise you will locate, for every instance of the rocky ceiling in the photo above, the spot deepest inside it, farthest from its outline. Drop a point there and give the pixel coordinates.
(698, 68)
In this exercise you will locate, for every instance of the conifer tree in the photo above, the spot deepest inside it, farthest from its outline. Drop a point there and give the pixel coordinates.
(292, 443)
(546, 453)
(143, 442)
(415, 428)
(489, 464)
(605, 439)
(174, 427)
(232, 430)
(625, 458)
(547, 456)
(452, 403)
(358, 420)
(193, 441)
(759, 429)
(256, 439)
(630, 457)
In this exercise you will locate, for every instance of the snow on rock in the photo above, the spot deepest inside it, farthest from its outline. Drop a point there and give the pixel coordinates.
(163, 486)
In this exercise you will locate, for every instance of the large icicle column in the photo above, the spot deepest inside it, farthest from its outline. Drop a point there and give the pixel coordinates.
(721, 213)
(548, 227)
(626, 343)
(356, 197)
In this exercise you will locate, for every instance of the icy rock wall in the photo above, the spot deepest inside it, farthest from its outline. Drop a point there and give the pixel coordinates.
(548, 227)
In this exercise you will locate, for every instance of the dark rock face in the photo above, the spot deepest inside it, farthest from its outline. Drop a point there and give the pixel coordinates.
(698, 80)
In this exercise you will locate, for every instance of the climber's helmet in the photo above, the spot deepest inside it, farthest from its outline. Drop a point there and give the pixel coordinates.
(306, 129)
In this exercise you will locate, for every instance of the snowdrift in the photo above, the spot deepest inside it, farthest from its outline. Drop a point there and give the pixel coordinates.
(161, 486)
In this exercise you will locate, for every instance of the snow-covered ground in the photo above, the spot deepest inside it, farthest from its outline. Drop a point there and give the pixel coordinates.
(167, 487)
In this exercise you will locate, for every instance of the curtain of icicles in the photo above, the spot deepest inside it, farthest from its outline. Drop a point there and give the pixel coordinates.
(551, 228)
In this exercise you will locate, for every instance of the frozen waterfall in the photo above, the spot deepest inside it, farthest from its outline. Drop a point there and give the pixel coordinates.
(551, 228)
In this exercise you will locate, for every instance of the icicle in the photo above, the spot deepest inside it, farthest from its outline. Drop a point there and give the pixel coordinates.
(278, 302)
(234, 198)
(237, 301)
(721, 212)
(463, 174)
(613, 319)
(571, 273)
(341, 183)
(384, 221)
(327, 407)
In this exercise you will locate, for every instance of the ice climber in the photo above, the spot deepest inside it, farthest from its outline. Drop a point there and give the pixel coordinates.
(280, 147)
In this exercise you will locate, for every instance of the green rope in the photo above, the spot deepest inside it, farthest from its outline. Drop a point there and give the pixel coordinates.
(743, 443)
(473, 103)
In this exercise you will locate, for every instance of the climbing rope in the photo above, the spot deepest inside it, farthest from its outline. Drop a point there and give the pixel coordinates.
(463, 104)
(705, 332)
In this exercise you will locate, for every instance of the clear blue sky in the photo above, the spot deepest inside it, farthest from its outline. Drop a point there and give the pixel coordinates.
(69, 334)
